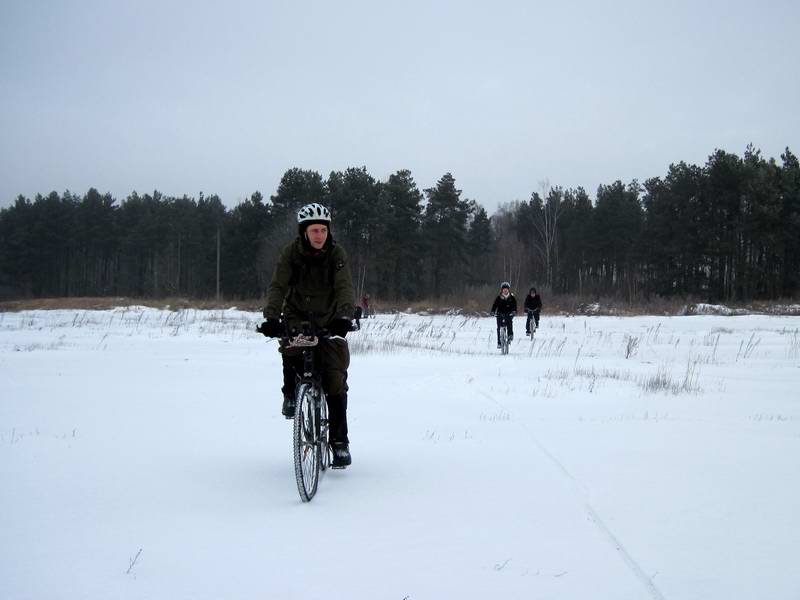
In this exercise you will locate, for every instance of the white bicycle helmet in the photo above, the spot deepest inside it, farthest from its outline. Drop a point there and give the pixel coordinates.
(505, 284)
(313, 212)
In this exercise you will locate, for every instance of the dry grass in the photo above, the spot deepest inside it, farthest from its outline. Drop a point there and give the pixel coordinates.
(116, 301)
(478, 301)
(474, 301)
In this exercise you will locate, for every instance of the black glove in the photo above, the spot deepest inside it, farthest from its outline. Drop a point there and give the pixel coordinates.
(340, 327)
(271, 328)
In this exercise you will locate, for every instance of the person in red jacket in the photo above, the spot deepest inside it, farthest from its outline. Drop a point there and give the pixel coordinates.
(365, 306)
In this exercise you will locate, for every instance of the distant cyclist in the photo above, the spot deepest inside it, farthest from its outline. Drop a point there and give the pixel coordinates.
(533, 306)
(504, 308)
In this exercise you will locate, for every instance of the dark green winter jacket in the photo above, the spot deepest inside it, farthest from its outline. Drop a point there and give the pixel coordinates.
(307, 284)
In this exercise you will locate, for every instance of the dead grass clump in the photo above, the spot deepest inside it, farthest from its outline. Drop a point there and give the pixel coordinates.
(110, 302)
(474, 301)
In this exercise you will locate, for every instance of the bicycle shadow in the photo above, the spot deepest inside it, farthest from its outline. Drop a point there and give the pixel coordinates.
(241, 484)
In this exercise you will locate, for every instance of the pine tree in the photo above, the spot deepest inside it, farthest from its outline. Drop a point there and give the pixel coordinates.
(297, 188)
(617, 226)
(401, 260)
(480, 243)
(789, 239)
(356, 210)
(445, 229)
(244, 226)
(574, 245)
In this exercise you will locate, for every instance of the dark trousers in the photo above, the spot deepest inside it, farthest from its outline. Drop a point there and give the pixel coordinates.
(532, 314)
(508, 321)
(331, 359)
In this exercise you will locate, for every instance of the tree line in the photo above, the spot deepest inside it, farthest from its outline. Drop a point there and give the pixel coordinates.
(727, 230)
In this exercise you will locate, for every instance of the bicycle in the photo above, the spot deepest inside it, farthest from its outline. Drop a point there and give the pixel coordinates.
(503, 333)
(310, 444)
(311, 449)
(531, 325)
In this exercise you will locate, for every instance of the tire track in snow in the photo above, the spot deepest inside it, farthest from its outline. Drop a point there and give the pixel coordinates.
(594, 517)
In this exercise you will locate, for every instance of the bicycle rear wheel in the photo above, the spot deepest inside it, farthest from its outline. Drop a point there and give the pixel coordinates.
(306, 447)
(324, 427)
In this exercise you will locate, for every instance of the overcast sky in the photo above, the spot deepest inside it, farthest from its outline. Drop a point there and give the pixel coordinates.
(224, 97)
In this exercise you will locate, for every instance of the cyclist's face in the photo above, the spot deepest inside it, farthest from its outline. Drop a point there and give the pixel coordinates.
(317, 235)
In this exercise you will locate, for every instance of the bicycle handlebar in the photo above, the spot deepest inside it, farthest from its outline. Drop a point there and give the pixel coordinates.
(307, 329)
(303, 341)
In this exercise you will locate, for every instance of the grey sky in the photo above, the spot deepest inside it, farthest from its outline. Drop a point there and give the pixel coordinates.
(223, 97)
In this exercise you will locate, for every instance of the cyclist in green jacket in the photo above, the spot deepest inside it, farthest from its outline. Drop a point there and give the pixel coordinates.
(312, 282)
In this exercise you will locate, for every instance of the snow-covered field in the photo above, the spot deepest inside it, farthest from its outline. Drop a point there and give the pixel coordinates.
(142, 455)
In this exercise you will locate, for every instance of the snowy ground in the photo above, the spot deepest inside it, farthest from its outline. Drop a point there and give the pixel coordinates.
(142, 455)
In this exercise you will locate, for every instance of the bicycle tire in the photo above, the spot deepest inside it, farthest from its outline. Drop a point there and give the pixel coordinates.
(503, 340)
(324, 446)
(306, 446)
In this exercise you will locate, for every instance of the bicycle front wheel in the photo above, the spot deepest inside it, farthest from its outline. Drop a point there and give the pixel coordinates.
(503, 340)
(306, 447)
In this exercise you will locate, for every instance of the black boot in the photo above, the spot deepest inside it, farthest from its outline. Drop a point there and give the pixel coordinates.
(288, 406)
(289, 385)
(341, 455)
(337, 419)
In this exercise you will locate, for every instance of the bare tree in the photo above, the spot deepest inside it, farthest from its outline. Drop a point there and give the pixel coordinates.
(546, 224)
